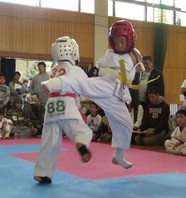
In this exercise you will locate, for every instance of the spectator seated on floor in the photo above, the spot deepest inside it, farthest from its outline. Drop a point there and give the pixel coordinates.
(94, 121)
(4, 94)
(6, 126)
(177, 144)
(106, 134)
(136, 113)
(23, 126)
(174, 119)
(35, 110)
(155, 121)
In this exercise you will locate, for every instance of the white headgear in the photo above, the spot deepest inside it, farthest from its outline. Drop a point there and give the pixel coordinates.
(65, 49)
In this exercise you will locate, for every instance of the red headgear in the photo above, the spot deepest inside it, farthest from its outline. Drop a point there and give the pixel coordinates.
(123, 28)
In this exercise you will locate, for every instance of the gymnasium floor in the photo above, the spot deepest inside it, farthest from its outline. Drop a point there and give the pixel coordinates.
(154, 174)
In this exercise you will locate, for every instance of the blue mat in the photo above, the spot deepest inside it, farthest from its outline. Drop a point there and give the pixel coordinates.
(16, 181)
(25, 148)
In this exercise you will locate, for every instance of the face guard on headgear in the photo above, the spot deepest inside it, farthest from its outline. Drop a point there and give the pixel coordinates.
(122, 28)
(65, 49)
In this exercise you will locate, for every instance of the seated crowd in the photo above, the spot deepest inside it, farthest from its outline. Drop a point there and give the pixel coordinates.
(152, 125)
(21, 114)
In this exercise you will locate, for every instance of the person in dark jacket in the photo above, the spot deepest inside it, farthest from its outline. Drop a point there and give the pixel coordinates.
(155, 126)
(150, 73)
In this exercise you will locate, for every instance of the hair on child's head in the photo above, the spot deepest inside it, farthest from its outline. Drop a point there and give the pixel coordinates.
(2, 76)
(17, 73)
(153, 90)
(18, 100)
(93, 103)
(36, 95)
(182, 112)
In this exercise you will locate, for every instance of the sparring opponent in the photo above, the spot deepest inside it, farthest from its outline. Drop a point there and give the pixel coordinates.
(61, 114)
(107, 91)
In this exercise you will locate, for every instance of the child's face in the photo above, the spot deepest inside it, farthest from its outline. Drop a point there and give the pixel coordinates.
(120, 43)
(153, 98)
(17, 77)
(181, 120)
(35, 96)
(93, 109)
(18, 105)
(2, 80)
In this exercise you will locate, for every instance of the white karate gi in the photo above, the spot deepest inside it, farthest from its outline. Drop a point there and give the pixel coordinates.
(108, 93)
(6, 126)
(61, 113)
(176, 137)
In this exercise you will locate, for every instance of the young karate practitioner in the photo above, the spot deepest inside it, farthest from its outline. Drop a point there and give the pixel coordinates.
(177, 144)
(107, 91)
(61, 113)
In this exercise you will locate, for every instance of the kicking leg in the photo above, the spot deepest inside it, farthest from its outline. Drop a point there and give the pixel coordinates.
(121, 126)
(81, 134)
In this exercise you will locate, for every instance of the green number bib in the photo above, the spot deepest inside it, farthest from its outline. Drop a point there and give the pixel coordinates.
(56, 107)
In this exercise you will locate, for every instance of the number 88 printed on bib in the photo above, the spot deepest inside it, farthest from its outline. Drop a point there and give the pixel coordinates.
(56, 107)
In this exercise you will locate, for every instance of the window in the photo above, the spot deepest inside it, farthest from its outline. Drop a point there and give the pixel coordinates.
(168, 2)
(180, 4)
(164, 11)
(72, 5)
(130, 11)
(87, 6)
(181, 18)
(150, 14)
(110, 8)
(140, 0)
(153, 1)
(163, 16)
(30, 2)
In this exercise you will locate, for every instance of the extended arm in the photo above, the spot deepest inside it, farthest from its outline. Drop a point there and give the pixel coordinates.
(92, 88)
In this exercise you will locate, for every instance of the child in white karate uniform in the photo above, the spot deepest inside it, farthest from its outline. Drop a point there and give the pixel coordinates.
(107, 91)
(61, 114)
(6, 126)
(177, 144)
